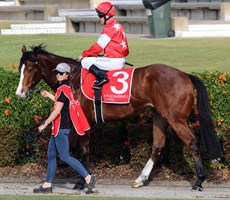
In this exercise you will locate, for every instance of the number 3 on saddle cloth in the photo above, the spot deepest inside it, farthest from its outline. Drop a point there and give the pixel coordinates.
(116, 91)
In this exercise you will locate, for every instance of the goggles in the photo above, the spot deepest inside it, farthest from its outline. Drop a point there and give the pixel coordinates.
(100, 14)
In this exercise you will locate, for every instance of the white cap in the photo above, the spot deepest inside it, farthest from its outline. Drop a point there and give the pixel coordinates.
(62, 67)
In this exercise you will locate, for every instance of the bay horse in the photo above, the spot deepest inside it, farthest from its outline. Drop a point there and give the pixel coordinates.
(167, 90)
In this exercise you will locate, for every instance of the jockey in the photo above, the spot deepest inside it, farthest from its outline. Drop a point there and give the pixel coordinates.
(112, 41)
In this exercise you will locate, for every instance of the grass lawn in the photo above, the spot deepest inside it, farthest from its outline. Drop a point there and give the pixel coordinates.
(188, 55)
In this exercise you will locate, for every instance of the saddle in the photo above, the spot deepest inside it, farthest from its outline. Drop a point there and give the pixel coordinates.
(116, 91)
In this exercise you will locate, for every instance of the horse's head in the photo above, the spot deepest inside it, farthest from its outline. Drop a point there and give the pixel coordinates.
(38, 64)
(30, 73)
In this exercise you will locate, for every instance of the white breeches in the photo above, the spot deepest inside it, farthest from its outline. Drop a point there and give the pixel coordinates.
(103, 63)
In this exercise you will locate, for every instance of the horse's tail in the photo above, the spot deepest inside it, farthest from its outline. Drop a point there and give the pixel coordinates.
(207, 127)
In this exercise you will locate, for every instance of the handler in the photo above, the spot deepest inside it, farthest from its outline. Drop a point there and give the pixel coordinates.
(62, 115)
(112, 41)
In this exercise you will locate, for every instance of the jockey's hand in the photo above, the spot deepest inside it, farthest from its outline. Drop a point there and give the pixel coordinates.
(80, 57)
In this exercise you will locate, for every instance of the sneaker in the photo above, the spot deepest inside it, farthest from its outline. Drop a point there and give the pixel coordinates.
(91, 184)
(42, 190)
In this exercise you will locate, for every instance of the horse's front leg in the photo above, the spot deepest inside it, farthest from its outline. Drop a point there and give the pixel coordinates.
(83, 143)
(159, 131)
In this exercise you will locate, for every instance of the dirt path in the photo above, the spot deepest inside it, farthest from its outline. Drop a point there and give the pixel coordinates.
(105, 188)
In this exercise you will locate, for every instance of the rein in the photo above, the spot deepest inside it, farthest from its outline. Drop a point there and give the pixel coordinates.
(75, 68)
(80, 84)
(31, 137)
(129, 64)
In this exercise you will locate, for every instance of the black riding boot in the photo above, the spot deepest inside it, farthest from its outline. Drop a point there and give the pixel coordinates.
(101, 77)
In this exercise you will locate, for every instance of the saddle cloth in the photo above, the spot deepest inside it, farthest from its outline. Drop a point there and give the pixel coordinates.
(117, 90)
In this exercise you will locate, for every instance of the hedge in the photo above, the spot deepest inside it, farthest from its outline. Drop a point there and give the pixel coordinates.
(15, 111)
(218, 86)
(18, 116)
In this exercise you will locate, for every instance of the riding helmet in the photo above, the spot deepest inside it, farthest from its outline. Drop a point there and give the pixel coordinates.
(105, 8)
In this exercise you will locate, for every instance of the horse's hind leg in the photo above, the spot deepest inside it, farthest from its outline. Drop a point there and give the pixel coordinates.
(190, 141)
(159, 131)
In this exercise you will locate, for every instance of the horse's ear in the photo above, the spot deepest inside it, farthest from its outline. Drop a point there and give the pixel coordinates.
(23, 49)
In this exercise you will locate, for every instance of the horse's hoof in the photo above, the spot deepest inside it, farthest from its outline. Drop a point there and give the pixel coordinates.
(136, 184)
(79, 186)
(197, 188)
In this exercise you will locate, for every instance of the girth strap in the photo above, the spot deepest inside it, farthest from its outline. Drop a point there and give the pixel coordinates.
(98, 107)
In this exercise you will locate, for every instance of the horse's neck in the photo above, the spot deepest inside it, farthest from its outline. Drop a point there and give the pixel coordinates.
(52, 83)
(49, 63)
(78, 74)
(47, 73)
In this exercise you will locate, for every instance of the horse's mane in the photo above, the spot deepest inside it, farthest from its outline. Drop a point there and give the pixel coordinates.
(41, 49)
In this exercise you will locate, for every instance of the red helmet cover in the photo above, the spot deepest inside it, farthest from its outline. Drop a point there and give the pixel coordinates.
(105, 7)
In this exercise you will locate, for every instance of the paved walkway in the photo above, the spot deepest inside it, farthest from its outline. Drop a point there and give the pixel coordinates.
(105, 188)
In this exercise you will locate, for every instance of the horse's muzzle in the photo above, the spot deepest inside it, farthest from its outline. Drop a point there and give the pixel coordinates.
(23, 95)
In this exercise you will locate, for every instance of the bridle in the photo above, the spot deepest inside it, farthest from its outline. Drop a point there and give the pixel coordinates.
(38, 68)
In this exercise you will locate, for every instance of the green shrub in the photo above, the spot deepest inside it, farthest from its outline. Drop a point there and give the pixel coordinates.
(11, 139)
(17, 116)
(15, 112)
(218, 86)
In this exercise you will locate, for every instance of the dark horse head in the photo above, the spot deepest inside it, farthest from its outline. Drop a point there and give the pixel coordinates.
(38, 64)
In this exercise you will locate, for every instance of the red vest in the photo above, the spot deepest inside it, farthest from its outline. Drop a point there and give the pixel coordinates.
(77, 115)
